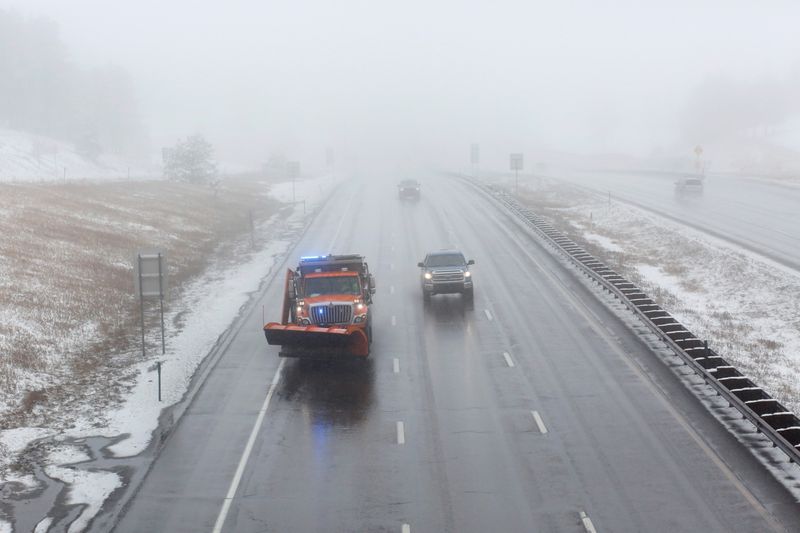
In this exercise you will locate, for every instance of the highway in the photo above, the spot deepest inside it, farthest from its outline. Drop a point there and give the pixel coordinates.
(760, 216)
(532, 409)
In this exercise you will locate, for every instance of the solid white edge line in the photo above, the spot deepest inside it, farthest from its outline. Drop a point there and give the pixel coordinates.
(401, 433)
(587, 523)
(391, 289)
(394, 320)
(488, 314)
(406, 529)
(396, 365)
(237, 477)
(509, 361)
(539, 422)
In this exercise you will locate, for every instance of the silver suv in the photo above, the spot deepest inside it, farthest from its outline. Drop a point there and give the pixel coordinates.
(446, 272)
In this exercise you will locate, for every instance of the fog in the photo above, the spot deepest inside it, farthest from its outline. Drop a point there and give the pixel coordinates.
(415, 81)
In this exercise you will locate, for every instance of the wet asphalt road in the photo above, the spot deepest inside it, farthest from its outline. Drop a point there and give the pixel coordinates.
(761, 216)
(519, 412)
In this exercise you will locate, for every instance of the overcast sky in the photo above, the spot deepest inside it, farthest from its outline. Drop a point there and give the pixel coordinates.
(423, 79)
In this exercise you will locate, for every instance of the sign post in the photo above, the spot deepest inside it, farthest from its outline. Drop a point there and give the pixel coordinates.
(516, 165)
(150, 281)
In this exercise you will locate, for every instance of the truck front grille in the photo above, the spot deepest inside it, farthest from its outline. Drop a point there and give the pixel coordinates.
(325, 314)
(447, 276)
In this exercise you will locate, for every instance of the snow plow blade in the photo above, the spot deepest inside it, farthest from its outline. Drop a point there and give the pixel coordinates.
(313, 341)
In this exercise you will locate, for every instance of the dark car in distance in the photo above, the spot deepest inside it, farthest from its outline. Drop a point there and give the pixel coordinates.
(409, 190)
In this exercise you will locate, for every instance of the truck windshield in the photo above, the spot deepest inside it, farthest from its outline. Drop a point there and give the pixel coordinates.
(440, 260)
(336, 285)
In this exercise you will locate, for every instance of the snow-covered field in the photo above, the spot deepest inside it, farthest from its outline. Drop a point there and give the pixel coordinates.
(744, 304)
(29, 157)
(207, 306)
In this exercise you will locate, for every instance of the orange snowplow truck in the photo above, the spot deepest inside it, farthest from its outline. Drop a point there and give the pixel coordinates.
(325, 308)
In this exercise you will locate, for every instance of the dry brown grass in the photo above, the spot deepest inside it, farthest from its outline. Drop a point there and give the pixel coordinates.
(68, 315)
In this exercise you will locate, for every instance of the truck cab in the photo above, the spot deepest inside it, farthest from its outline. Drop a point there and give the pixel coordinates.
(326, 308)
(445, 272)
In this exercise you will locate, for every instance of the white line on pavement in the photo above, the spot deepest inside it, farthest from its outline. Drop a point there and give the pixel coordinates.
(509, 361)
(488, 314)
(406, 529)
(539, 422)
(394, 320)
(237, 477)
(396, 365)
(391, 289)
(401, 433)
(587, 523)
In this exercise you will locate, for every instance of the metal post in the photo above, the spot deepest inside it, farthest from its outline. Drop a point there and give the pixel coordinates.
(161, 298)
(141, 300)
(159, 381)
(293, 188)
(516, 181)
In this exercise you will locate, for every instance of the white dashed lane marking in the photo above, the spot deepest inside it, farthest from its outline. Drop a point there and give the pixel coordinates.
(488, 314)
(401, 433)
(539, 422)
(509, 361)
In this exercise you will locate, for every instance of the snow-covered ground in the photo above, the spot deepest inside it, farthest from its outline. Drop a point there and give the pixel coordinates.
(208, 306)
(30, 157)
(744, 304)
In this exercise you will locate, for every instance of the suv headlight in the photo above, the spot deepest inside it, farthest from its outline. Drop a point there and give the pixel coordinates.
(467, 274)
(428, 275)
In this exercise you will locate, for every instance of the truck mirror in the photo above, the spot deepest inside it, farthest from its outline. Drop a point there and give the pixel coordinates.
(421, 265)
(471, 262)
(292, 290)
(371, 284)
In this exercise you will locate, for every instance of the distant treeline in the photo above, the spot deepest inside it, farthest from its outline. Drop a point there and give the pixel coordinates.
(43, 92)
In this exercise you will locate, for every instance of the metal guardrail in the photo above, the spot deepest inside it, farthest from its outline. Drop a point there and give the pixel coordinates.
(767, 414)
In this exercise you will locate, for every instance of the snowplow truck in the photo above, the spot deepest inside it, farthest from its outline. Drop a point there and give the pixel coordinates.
(326, 308)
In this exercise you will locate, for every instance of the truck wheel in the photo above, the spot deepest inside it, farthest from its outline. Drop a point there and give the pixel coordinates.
(469, 294)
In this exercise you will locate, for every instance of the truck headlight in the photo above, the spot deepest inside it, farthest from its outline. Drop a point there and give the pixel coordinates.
(305, 322)
(428, 275)
(299, 309)
(467, 274)
(360, 318)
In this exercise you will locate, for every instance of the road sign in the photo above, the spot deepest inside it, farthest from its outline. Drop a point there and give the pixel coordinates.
(516, 161)
(150, 281)
(475, 154)
(698, 150)
(293, 169)
(150, 274)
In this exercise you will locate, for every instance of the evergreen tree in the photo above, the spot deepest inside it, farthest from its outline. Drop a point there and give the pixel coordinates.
(191, 161)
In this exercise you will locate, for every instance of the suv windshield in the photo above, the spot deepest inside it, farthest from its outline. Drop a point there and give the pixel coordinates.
(440, 260)
(337, 285)
(408, 183)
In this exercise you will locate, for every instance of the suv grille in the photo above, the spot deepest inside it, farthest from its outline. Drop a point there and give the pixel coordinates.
(447, 276)
(324, 314)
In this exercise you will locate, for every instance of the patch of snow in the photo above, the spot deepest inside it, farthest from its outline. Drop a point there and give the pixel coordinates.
(44, 525)
(13, 441)
(311, 190)
(29, 157)
(89, 489)
(602, 241)
(5, 527)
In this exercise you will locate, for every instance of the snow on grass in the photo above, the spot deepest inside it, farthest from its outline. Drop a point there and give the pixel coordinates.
(14, 441)
(742, 303)
(602, 241)
(87, 488)
(29, 157)
(310, 190)
(204, 307)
